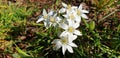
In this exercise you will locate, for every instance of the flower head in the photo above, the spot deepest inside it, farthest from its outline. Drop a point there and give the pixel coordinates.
(65, 42)
(49, 19)
(70, 28)
(81, 12)
(53, 20)
(67, 8)
(72, 16)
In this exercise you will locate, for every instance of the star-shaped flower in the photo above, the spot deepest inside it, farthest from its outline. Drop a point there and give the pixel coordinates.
(72, 16)
(70, 28)
(67, 8)
(81, 13)
(49, 19)
(65, 42)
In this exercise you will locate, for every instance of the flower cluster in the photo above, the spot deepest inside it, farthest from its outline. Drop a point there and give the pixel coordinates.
(71, 21)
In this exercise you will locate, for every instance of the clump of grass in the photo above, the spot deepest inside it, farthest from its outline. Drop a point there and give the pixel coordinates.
(21, 37)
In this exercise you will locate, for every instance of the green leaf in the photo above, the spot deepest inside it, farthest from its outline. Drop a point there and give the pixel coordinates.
(86, 24)
(91, 25)
(118, 28)
(21, 52)
(16, 55)
(57, 2)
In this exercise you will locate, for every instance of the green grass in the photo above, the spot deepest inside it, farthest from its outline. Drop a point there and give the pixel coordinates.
(22, 37)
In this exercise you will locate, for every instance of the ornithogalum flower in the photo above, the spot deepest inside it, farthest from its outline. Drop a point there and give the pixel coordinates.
(44, 17)
(72, 16)
(66, 42)
(67, 8)
(53, 20)
(80, 12)
(70, 29)
(49, 19)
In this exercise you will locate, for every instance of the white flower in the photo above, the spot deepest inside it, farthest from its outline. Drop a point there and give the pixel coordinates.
(72, 16)
(70, 28)
(67, 8)
(81, 13)
(53, 20)
(49, 19)
(65, 42)
(45, 16)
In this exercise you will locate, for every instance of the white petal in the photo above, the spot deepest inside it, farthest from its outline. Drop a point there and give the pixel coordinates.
(57, 43)
(62, 10)
(71, 38)
(73, 45)
(74, 7)
(56, 47)
(51, 12)
(64, 33)
(84, 11)
(39, 20)
(58, 19)
(74, 37)
(80, 6)
(64, 47)
(71, 23)
(78, 19)
(44, 12)
(55, 14)
(84, 16)
(76, 25)
(66, 16)
(63, 26)
(54, 24)
(65, 5)
(46, 24)
(70, 49)
(77, 32)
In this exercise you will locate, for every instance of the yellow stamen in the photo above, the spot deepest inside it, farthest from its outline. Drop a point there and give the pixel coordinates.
(71, 29)
(45, 16)
(52, 19)
(78, 12)
(72, 16)
(69, 7)
(64, 40)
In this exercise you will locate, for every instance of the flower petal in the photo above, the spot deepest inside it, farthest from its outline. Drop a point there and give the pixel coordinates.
(77, 32)
(70, 49)
(64, 47)
(65, 5)
(44, 12)
(71, 38)
(84, 16)
(76, 25)
(84, 11)
(62, 10)
(77, 19)
(39, 20)
(80, 6)
(46, 24)
(56, 47)
(73, 45)
(58, 19)
(71, 23)
(57, 43)
(63, 26)
(74, 7)
(66, 16)
(64, 33)
(51, 12)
